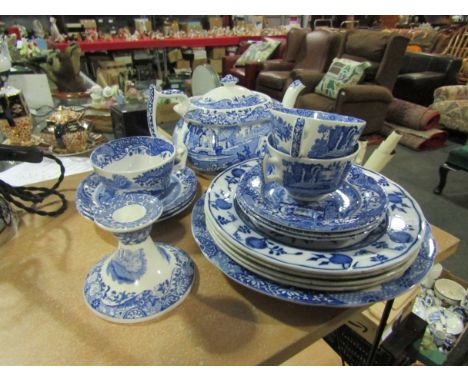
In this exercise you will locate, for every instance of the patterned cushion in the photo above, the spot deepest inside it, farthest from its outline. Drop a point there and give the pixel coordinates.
(453, 114)
(451, 92)
(342, 72)
(258, 52)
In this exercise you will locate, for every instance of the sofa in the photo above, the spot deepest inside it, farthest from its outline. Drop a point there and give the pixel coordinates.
(422, 73)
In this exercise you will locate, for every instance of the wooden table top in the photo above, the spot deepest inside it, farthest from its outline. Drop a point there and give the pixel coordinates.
(45, 321)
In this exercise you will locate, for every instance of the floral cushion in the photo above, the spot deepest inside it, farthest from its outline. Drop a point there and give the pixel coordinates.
(453, 114)
(452, 104)
(451, 92)
(258, 52)
(342, 72)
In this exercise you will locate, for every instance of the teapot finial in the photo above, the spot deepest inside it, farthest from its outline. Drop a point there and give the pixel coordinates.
(229, 80)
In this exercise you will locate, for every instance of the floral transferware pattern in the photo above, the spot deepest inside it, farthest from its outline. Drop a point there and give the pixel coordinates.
(375, 254)
(385, 291)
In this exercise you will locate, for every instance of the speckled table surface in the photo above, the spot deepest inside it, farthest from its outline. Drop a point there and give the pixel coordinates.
(44, 319)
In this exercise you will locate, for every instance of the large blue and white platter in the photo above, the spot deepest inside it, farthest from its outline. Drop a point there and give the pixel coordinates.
(92, 193)
(378, 252)
(388, 290)
(358, 204)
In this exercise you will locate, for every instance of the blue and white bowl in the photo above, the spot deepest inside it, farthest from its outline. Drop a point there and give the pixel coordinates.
(135, 163)
(314, 134)
(445, 326)
(305, 179)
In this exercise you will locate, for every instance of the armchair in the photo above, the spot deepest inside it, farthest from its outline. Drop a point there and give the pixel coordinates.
(316, 53)
(285, 53)
(370, 99)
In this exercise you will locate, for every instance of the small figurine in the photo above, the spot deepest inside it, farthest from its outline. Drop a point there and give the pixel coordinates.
(54, 31)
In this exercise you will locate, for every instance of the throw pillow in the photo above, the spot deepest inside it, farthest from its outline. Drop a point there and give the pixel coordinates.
(342, 72)
(258, 52)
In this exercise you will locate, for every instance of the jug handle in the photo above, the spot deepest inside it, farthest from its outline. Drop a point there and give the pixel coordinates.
(153, 97)
(292, 92)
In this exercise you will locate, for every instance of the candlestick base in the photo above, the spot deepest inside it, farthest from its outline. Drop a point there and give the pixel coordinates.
(128, 303)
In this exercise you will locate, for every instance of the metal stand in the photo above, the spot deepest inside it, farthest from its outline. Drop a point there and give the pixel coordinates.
(380, 329)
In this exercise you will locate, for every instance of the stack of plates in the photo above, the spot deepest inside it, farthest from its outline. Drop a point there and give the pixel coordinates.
(92, 194)
(367, 235)
(338, 220)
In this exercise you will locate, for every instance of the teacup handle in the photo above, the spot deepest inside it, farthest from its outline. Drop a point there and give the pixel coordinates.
(275, 176)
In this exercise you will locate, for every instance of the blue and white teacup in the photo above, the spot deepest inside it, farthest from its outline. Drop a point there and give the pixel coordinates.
(314, 134)
(306, 179)
(137, 163)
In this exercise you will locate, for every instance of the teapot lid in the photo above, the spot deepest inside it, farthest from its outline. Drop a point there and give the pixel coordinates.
(229, 105)
(230, 96)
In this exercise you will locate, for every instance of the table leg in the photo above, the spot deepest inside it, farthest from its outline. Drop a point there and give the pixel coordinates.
(380, 329)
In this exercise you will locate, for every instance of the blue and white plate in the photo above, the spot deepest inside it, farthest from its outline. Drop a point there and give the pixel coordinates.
(91, 193)
(386, 291)
(300, 241)
(378, 252)
(358, 204)
(305, 281)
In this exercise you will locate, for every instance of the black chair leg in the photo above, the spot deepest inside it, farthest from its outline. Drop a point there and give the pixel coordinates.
(443, 171)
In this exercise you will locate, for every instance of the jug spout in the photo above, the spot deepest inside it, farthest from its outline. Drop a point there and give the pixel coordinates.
(155, 97)
(292, 92)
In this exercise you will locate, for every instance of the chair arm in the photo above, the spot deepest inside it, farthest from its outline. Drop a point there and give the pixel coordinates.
(277, 65)
(229, 62)
(251, 72)
(451, 93)
(310, 78)
(364, 93)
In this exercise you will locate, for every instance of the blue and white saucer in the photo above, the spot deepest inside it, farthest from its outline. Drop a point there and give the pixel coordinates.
(380, 251)
(310, 242)
(386, 291)
(359, 204)
(91, 193)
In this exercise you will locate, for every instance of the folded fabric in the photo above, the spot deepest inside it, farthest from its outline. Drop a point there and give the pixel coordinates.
(413, 116)
(417, 140)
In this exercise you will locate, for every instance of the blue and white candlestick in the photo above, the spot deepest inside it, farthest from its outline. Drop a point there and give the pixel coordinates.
(141, 279)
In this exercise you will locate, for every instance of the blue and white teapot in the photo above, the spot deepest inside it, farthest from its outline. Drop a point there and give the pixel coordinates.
(225, 126)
